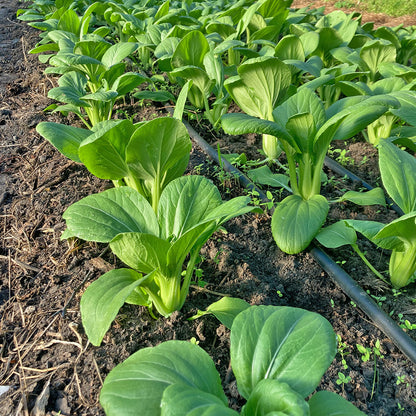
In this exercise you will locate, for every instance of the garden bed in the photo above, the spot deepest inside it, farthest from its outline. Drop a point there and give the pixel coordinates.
(44, 351)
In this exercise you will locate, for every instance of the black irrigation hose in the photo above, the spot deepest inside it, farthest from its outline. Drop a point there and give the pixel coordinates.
(349, 286)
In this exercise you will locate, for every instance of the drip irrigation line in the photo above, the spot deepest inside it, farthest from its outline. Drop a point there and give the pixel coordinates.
(348, 285)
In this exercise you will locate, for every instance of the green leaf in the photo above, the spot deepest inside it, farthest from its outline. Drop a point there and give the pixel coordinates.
(290, 47)
(225, 310)
(337, 235)
(142, 252)
(369, 229)
(198, 76)
(181, 101)
(182, 400)
(373, 197)
(264, 176)
(103, 153)
(103, 299)
(238, 123)
(325, 403)
(102, 216)
(359, 112)
(397, 169)
(158, 152)
(185, 203)
(66, 139)
(376, 52)
(190, 50)
(287, 344)
(117, 52)
(296, 221)
(139, 382)
(403, 228)
(127, 82)
(272, 397)
(260, 85)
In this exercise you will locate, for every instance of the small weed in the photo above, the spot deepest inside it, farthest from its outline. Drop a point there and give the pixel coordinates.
(279, 293)
(401, 380)
(342, 347)
(354, 305)
(332, 303)
(343, 379)
(366, 355)
(405, 324)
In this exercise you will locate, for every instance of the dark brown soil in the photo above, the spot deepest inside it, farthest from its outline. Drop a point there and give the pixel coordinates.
(43, 350)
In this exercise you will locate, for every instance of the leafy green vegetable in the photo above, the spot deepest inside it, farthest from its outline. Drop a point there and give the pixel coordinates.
(145, 156)
(279, 355)
(157, 244)
(398, 175)
(305, 131)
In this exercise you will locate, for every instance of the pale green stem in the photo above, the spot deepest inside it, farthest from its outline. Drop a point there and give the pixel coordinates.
(368, 264)
(188, 276)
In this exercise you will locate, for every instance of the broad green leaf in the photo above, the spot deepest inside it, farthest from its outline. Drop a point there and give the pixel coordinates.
(69, 21)
(397, 169)
(373, 197)
(139, 382)
(358, 115)
(158, 151)
(264, 176)
(229, 209)
(127, 82)
(100, 217)
(272, 397)
(296, 221)
(142, 252)
(182, 400)
(376, 52)
(103, 299)
(101, 96)
(190, 50)
(71, 89)
(406, 111)
(404, 228)
(326, 403)
(198, 76)
(304, 101)
(290, 47)
(287, 344)
(225, 310)
(261, 84)
(66, 139)
(369, 229)
(302, 129)
(117, 52)
(186, 202)
(104, 152)
(337, 235)
(238, 123)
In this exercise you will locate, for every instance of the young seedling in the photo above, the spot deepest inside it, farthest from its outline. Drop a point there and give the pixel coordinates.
(366, 355)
